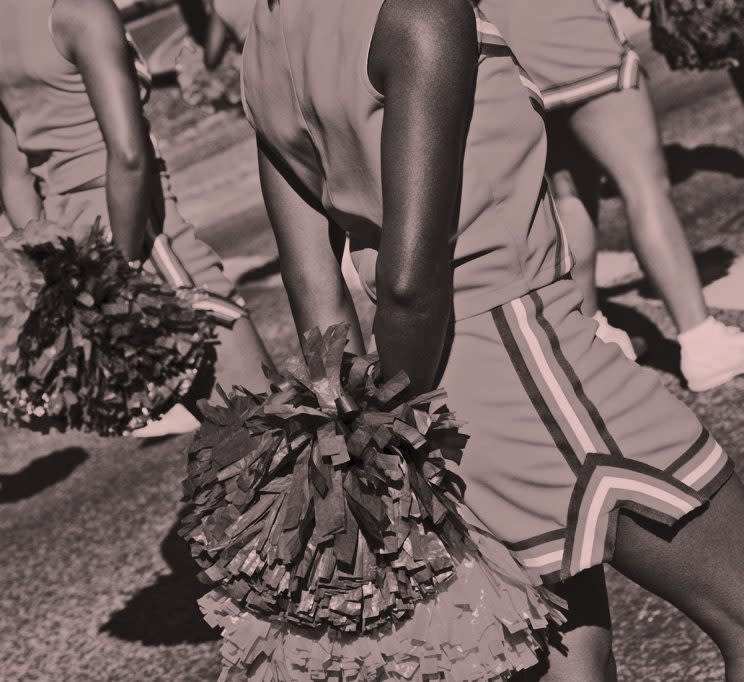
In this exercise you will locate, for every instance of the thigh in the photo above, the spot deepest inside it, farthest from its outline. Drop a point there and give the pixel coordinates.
(566, 432)
(582, 649)
(619, 129)
(573, 173)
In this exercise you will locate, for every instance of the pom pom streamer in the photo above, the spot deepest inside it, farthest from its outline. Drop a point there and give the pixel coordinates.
(87, 342)
(696, 34)
(332, 530)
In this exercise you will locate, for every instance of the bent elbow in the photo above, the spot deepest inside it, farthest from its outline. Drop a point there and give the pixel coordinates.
(420, 291)
(131, 158)
(404, 292)
(399, 292)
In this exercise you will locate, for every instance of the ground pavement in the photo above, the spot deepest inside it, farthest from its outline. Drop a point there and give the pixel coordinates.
(97, 586)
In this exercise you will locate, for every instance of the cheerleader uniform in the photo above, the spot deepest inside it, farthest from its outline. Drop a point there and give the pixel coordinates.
(46, 101)
(564, 430)
(573, 49)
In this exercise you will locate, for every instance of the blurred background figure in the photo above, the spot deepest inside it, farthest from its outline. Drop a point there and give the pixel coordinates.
(601, 115)
(73, 133)
(208, 64)
(228, 26)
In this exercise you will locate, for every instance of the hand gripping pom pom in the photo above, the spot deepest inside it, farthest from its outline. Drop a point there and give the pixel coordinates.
(88, 343)
(325, 516)
(697, 34)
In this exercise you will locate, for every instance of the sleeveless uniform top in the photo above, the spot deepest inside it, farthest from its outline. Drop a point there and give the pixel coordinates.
(46, 100)
(307, 94)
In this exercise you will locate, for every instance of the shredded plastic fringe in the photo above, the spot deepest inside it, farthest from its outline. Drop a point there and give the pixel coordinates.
(87, 342)
(326, 518)
(477, 629)
(696, 34)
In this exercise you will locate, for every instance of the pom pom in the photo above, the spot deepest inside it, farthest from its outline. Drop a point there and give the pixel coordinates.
(326, 507)
(88, 343)
(200, 87)
(698, 34)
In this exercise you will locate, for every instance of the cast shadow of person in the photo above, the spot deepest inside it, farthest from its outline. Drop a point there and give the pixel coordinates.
(684, 162)
(40, 474)
(712, 264)
(166, 613)
(661, 353)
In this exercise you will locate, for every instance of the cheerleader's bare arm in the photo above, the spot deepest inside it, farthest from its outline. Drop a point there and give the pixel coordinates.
(90, 34)
(20, 200)
(423, 59)
(310, 250)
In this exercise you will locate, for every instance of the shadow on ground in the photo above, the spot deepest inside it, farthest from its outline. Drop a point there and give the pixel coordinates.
(257, 274)
(166, 613)
(712, 264)
(660, 352)
(40, 474)
(684, 162)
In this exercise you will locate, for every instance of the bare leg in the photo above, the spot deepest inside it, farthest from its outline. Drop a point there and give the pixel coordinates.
(584, 651)
(619, 129)
(574, 182)
(240, 354)
(700, 569)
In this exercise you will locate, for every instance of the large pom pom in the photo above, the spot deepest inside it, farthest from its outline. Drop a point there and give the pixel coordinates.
(326, 507)
(699, 34)
(89, 343)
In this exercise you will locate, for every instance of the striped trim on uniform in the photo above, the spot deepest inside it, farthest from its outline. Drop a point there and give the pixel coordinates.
(222, 309)
(172, 270)
(704, 466)
(624, 76)
(607, 484)
(492, 44)
(605, 480)
(169, 265)
(165, 260)
(541, 556)
(564, 261)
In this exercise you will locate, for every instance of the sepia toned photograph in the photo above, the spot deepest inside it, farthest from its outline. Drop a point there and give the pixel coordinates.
(372, 340)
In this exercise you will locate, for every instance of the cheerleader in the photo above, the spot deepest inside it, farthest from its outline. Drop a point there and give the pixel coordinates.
(74, 136)
(409, 128)
(591, 77)
(228, 25)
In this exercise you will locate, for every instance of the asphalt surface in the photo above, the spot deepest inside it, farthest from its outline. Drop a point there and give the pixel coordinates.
(98, 588)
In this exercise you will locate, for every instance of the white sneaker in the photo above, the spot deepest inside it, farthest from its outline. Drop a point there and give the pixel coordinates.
(610, 334)
(711, 354)
(176, 421)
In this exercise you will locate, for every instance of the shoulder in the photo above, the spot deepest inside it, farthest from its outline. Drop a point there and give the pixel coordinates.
(421, 37)
(73, 20)
(430, 29)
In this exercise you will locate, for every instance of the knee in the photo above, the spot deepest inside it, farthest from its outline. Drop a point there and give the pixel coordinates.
(588, 658)
(645, 179)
